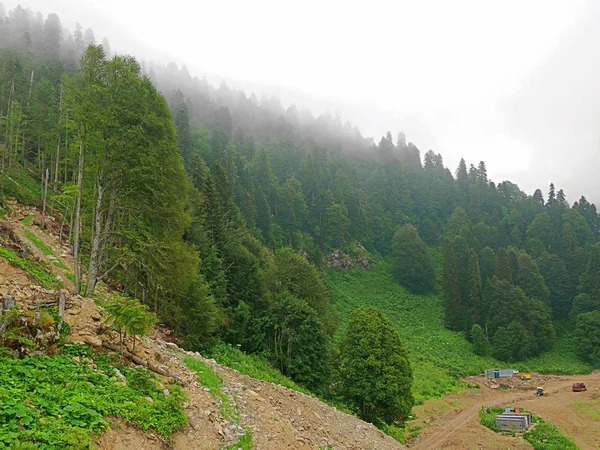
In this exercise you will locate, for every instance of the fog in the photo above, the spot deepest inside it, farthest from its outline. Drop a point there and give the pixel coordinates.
(512, 83)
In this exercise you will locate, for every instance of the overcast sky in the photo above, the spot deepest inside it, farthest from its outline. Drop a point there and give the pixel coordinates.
(513, 82)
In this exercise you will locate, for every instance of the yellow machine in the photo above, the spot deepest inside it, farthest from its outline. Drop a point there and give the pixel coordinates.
(526, 376)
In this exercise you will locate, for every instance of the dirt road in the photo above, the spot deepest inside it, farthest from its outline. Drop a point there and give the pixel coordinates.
(457, 430)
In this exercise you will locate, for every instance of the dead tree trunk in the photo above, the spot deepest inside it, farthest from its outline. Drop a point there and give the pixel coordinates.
(77, 222)
(96, 240)
(44, 197)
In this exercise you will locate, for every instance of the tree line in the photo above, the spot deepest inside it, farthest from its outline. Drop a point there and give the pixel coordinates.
(216, 210)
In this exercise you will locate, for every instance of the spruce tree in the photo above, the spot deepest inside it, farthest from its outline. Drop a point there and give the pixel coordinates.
(412, 263)
(452, 298)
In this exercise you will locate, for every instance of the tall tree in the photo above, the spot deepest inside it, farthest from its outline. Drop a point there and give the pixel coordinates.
(375, 373)
(412, 263)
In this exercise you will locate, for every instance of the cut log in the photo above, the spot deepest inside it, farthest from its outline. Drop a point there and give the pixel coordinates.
(142, 362)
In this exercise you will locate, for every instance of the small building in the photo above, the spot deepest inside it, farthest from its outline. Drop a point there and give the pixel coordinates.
(517, 422)
(500, 373)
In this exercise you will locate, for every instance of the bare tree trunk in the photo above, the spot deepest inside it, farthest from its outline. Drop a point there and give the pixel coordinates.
(62, 224)
(57, 167)
(96, 239)
(44, 197)
(30, 86)
(77, 220)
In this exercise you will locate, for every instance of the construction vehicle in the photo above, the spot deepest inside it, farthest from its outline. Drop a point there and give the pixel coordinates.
(539, 391)
(579, 387)
(525, 376)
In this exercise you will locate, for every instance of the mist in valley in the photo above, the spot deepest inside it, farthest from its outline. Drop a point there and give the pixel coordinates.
(512, 86)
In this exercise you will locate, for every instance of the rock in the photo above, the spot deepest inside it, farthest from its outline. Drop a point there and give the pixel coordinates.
(150, 399)
(166, 392)
(92, 340)
(172, 345)
(95, 316)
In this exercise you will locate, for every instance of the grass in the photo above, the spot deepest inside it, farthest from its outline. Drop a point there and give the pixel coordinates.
(27, 220)
(591, 410)
(209, 379)
(44, 248)
(19, 183)
(61, 402)
(252, 366)
(438, 356)
(543, 436)
(245, 442)
(36, 270)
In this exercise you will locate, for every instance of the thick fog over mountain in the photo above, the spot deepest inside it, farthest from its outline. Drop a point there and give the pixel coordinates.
(513, 85)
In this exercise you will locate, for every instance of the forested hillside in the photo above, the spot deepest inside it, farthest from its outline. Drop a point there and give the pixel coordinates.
(218, 210)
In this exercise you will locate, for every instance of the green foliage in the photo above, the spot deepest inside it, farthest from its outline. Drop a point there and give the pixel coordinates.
(587, 331)
(545, 436)
(374, 373)
(291, 274)
(19, 183)
(214, 383)
(583, 303)
(245, 442)
(36, 270)
(508, 304)
(488, 415)
(530, 280)
(293, 338)
(60, 402)
(437, 355)
(481, 345)
(207, 377)
(128, 316)
(412, 263)
(27, 220)
(43, 247)
(252, 365)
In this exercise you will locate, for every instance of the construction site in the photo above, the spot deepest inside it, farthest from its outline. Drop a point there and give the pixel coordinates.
(568, 402)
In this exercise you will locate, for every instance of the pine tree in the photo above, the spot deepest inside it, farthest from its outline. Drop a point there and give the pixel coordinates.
(530, 280)
(412, 263)
(481, 345)
(452, 298)
(474, 305)
(503, 270)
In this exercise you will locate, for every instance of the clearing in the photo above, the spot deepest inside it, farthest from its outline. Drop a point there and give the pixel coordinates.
(453, 421)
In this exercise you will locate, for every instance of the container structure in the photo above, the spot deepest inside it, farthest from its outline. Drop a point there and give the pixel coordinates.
(500, 373)
(517, 422)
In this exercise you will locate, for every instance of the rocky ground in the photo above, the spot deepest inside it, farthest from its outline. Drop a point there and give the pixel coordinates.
(279, 418)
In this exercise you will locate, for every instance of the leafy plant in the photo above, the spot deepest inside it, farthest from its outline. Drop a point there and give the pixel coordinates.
(60, 402)
(37, 271)
(252, 365)
(128, 316)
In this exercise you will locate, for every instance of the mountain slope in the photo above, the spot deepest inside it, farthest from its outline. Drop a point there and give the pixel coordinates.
(276, 417)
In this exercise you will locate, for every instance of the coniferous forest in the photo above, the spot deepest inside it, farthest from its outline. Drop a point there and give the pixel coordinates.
(219, 211)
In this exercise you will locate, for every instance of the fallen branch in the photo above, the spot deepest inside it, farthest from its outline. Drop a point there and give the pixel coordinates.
(142, 362)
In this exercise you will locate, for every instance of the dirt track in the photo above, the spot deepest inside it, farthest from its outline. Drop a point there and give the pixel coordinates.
(460, 429)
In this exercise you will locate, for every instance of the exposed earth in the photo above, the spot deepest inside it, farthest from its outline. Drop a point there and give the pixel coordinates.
(279, 418)
(453, 422)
